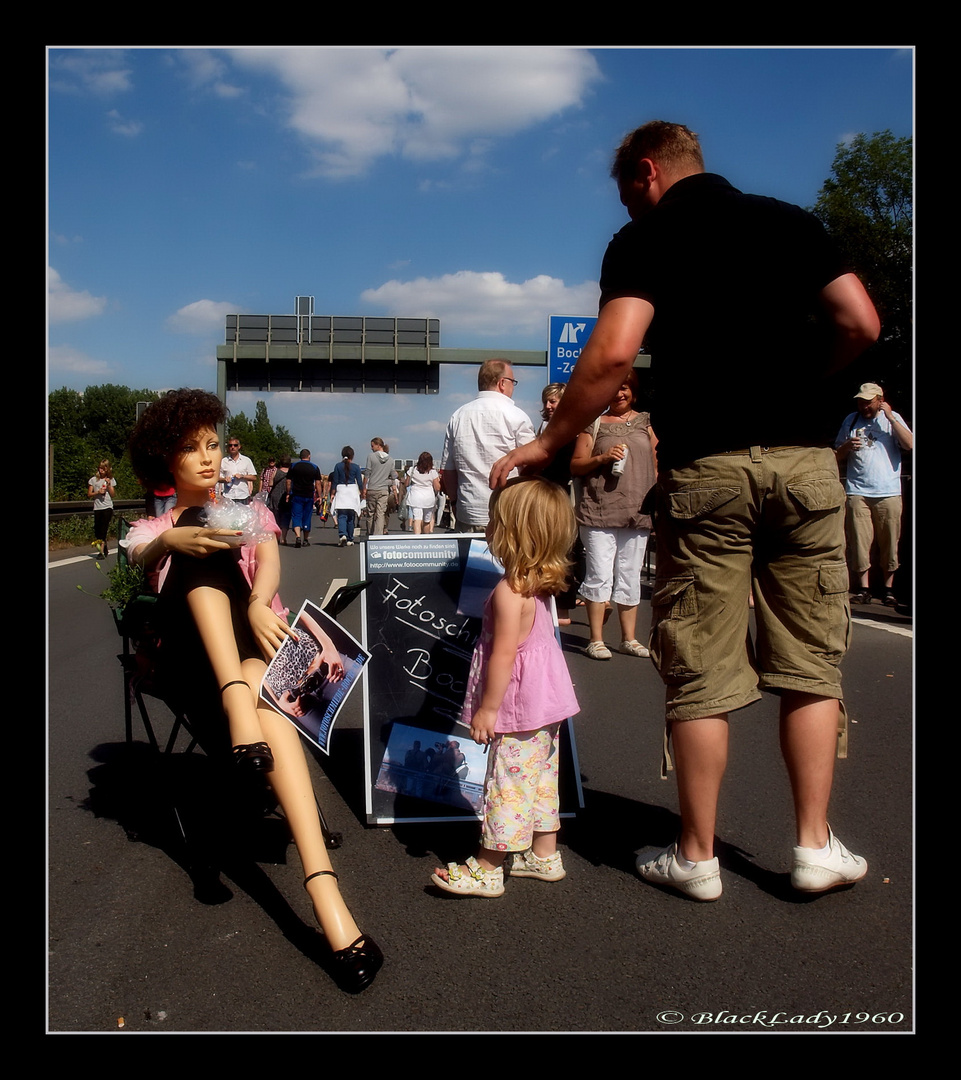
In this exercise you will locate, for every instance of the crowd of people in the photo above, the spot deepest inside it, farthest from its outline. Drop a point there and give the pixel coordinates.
(746, 505)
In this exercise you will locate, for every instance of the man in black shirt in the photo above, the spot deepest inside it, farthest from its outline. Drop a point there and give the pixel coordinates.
(748, 496)
(304, 487)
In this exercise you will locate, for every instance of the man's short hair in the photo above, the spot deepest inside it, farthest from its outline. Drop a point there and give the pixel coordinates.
(305, 453)
(490, 374)
(672, 146)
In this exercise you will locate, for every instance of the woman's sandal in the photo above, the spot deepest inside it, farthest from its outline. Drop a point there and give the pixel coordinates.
(476, 882)
(251, 757)
(355, 966)
(633, 648)
(597, 650)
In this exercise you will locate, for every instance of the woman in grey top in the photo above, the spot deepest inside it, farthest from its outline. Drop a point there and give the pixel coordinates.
(615, 460)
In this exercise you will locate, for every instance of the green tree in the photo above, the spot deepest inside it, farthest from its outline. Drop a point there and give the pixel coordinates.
(259, 438)
(109, 415)
(867, 207)
(86, 428)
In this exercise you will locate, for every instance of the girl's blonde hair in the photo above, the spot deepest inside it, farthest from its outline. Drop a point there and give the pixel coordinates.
(531, 533)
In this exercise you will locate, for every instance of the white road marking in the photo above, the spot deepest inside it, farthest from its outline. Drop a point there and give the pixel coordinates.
(904, 631)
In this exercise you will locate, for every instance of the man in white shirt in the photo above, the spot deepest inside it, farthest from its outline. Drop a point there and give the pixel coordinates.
(237, 472)
(479, 433)
(869, 445)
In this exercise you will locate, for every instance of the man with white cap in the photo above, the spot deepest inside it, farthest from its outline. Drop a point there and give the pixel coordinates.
(869, 447)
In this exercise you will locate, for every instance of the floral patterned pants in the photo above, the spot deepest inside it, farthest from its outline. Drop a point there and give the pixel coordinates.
(521, 788)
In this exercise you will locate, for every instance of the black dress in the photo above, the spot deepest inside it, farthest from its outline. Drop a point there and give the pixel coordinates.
(183, 666)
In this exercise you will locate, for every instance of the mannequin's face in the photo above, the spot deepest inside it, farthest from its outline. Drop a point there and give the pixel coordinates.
(196, 462)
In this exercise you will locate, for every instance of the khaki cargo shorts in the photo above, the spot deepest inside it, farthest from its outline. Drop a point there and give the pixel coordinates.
(771, 520)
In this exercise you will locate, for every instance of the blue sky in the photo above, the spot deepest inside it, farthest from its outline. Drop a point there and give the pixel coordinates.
(470, 184)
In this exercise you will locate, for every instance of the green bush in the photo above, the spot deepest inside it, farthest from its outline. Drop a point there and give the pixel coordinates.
(75, 531)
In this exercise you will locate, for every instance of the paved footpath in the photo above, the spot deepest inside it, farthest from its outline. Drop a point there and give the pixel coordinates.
(132, 948)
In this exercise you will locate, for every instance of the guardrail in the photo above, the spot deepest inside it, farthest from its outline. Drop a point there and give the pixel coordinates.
(79, 507)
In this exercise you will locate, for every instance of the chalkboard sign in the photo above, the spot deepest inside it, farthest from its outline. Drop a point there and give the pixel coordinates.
(421, 619)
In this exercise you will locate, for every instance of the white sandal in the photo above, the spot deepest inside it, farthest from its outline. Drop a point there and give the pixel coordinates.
(633, 648)
(597, 650)
(527, 864)
(476, 882)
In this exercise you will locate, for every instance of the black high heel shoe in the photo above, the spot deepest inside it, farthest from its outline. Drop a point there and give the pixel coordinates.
(355, 967)
(251, 757)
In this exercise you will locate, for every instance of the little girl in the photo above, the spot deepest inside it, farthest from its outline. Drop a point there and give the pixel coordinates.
(519, 691)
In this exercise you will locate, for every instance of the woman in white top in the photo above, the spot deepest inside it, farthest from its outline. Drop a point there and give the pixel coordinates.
(100, 488)
(423, 486)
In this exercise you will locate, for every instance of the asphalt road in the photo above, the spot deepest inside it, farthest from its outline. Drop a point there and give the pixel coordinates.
(133, 949)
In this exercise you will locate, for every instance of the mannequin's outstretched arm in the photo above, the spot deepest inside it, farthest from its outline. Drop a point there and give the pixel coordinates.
(198, 543)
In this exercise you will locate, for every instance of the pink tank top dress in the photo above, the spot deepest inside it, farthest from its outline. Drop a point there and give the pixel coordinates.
(540, 692)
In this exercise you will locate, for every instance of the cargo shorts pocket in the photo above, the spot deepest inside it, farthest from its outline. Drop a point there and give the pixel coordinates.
(675, 637)
(817, 493)
(830, 610)
(689, 504)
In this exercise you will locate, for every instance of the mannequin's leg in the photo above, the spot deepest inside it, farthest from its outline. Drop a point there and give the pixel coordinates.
(290, 781)
(211, 612)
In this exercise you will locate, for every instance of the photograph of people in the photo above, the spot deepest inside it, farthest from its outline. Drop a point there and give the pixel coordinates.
(306, 674)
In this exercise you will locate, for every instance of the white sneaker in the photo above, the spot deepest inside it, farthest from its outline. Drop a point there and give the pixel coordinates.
(702, 882)
(814, 872)
(527, 864)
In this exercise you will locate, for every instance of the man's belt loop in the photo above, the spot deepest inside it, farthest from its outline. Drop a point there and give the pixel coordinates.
(755, 454)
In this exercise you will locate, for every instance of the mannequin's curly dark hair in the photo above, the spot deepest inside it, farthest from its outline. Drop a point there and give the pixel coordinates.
(164, 426)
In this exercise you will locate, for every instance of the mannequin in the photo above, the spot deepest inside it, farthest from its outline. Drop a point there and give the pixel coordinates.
(228, 588)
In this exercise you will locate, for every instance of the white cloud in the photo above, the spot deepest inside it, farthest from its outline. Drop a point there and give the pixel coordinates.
(428, 427)
(121, 126)
(471, 302)
(203, 68)
(202, 317)
(103, 72)
(355, 105)
(66, 359)
(65, 304)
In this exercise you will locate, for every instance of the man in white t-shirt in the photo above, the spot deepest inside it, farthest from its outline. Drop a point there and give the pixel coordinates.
(237, 473)
(479, 433)
(869, 445)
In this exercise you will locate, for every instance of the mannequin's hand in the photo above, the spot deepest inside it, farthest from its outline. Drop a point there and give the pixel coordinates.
(199, 542)
(270, 630)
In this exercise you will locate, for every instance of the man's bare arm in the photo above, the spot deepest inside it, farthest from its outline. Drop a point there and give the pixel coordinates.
(901, 433)
(852, 318)
(601, 368)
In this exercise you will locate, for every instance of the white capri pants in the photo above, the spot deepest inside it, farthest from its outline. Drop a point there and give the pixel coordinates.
(614, 560)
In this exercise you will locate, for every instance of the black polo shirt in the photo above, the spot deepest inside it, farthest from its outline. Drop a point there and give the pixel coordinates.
(302, 477)
(738, 357)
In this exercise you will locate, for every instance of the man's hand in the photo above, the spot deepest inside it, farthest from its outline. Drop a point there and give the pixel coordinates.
(532, 457)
